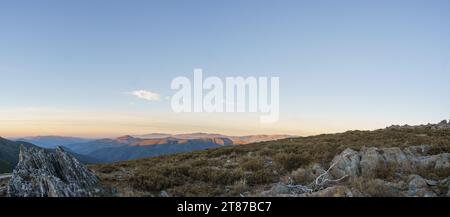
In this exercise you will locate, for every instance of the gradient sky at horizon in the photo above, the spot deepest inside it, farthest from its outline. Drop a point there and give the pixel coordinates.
(68, 67)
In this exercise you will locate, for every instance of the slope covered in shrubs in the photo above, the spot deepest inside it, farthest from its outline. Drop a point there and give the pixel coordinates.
(253, 168)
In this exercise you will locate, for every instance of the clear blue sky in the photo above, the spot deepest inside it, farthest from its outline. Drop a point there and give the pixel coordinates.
(342, 64)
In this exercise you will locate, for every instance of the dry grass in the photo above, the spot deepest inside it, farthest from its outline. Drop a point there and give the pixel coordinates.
(222, 171)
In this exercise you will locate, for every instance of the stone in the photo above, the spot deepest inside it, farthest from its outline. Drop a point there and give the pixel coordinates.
(439, 161)
(418, 187)
(3, 191)
(416, 150)
(387, 188)
(347, 163)
(365, 162)
(442, 161)
(280, 188)
(41, 173)
(370, 159)
(164, 194)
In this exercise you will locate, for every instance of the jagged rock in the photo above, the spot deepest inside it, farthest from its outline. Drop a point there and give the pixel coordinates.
(418, 186)
(40, 173)
(347, 163)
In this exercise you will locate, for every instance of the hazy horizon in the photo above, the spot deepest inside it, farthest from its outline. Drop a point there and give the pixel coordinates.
(75, 68)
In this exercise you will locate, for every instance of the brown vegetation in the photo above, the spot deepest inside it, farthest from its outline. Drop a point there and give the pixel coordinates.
(231, 171)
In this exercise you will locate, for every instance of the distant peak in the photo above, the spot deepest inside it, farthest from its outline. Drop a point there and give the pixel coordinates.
(126, 139)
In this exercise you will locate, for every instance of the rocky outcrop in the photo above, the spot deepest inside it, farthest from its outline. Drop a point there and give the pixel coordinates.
(41, 173)
(371, 171)
(418, 186)
(347, 163)
(402, 164)
(368, 160)
(443, 125)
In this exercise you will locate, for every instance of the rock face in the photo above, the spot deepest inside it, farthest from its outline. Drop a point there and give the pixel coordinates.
(372, 162)
(40, 173)
(419, 186)
(365, 162)
(347, 163)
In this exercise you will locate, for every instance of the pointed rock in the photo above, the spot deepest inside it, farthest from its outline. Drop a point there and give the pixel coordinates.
(41, 173)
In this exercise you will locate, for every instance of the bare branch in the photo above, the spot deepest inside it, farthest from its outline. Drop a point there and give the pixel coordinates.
(317, 184)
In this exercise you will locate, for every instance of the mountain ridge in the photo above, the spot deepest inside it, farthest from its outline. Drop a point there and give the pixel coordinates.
(131, 147)
(394, 161)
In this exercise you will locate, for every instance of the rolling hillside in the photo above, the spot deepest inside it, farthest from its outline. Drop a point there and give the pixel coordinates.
(254, 168)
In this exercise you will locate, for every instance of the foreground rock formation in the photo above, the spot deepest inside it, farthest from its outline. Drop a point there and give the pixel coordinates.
(41, 173)
(377, 172)
(4, 179)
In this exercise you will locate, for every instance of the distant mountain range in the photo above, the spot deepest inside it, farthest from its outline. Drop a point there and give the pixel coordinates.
(138, 146)
(150, 145)
(52, 141)
(154, 147)
(237, 140)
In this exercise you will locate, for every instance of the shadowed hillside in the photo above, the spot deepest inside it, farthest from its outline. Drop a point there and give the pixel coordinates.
(9, 154)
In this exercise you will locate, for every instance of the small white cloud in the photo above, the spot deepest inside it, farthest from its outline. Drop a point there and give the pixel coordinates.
(146, 95)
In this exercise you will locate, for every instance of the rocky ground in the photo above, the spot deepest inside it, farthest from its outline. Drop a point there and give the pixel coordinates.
(354, 173)
(399, 161)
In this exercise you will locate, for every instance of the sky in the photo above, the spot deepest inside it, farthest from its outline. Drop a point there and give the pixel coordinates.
(71, 67)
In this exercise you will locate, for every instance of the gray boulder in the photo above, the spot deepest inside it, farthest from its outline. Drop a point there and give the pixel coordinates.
(419, 186)
(41, 173)
(372, 158)
(346, 163)
(365, 162)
